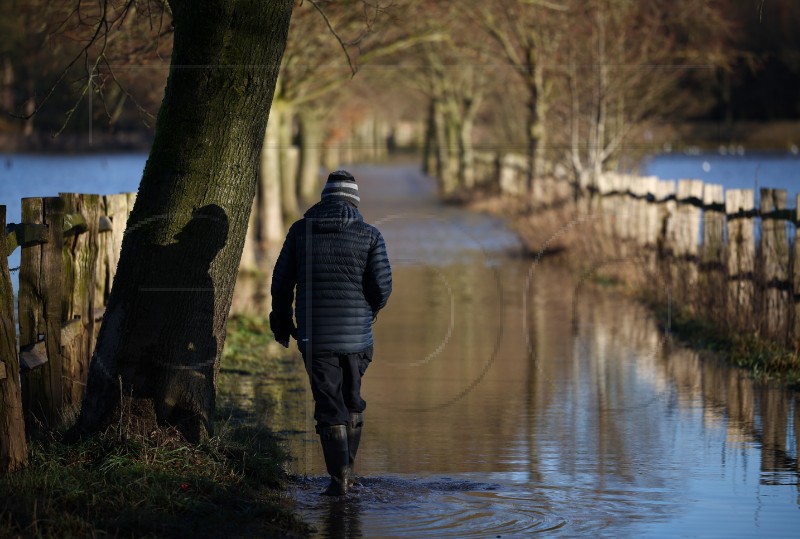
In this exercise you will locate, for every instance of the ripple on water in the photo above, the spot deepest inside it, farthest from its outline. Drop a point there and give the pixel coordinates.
(399, 507)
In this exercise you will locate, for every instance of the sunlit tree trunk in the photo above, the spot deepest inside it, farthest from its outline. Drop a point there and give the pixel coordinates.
(446, 150)
(466, 154)
(270, 200)
(157, 355)
(288, 172)
(312, 135)
(430, 150)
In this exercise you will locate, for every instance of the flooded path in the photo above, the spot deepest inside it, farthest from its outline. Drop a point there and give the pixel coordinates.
(505, 400)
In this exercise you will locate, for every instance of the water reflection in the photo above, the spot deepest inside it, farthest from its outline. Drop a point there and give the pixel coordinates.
(605, 427)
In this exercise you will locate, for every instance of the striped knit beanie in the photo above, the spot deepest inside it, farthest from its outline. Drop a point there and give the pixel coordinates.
(341, 184)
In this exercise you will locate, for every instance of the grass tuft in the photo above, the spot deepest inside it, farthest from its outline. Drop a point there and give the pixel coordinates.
(250, 345)
(763, 359)
(158, 486)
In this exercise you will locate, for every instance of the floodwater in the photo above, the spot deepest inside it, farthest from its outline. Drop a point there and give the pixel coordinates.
(506, 399)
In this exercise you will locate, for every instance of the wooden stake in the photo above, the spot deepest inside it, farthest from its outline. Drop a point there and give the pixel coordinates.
(40, 292)
(78, 299)
(774, 265)
(741, 258)
(13, 447)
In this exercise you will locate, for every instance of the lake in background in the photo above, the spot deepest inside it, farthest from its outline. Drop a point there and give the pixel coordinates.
(749, 171)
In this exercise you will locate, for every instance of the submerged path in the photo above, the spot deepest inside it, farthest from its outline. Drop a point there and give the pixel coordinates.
(505, 400)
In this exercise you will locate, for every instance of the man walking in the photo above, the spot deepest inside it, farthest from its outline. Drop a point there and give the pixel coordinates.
(341, 270)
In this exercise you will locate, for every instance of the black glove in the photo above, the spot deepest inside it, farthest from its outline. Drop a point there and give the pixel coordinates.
(282, 330)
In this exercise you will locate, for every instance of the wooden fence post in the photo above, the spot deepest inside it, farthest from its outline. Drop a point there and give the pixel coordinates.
(713, 223)
(80, 286)
(741, 257)
(774, 264)
(606, 226)
(13, 447)
(621, 204)
(687, 235)
(110, 234)
(511, 179)
(40, 292)
(665, 197)
(650, 210)
(713, 291)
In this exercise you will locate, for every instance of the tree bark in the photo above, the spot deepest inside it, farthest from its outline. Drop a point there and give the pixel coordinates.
(13, 447)
(158, 350)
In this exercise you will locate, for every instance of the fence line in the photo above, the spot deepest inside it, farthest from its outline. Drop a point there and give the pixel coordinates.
(720, 255)
(70, 247)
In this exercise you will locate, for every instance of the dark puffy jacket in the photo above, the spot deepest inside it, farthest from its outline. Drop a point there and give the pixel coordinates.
(340, 267)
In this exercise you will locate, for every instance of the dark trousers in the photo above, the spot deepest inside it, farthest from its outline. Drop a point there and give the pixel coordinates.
(336, 385)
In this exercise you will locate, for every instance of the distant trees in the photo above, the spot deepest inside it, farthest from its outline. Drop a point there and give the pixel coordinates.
(622, 65)
(589, 75)
(526, 34)
(65, 62)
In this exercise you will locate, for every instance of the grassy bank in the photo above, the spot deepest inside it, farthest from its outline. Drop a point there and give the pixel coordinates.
(764, 360)
(232, 485)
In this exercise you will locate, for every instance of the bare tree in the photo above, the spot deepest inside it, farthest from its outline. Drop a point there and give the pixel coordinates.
(67, 59)
(526, 33)
(623, 65)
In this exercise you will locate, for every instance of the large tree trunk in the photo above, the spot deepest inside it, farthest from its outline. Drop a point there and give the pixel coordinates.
(158, 350)
(13, 448)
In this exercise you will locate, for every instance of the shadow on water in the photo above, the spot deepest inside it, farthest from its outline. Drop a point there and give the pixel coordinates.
(501, 409)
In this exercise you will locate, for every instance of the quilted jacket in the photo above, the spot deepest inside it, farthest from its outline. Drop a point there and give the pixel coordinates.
(340, 269)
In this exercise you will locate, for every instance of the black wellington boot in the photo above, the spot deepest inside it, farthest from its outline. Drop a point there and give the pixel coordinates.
(353, 439)
(334, 448)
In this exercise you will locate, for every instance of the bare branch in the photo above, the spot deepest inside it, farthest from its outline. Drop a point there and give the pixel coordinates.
(353, 68)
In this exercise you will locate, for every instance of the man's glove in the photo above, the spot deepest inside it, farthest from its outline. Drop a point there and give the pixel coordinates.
(282, 330)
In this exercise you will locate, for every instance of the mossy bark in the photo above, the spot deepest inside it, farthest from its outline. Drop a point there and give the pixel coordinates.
(13, 448)
(80, 258)
(158, 350)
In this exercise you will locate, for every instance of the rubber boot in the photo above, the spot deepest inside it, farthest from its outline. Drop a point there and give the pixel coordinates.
(334, 448)
(353, 439)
